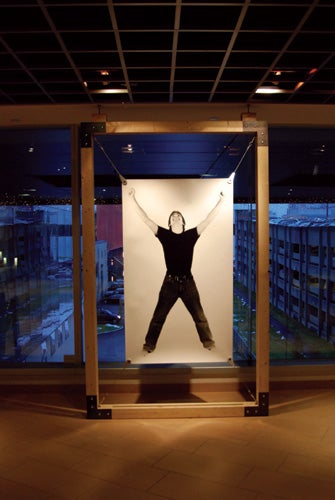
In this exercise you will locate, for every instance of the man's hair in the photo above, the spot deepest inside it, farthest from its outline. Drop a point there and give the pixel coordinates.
(182, 218)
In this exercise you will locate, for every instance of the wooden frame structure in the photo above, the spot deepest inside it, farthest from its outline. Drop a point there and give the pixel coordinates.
(258, 407)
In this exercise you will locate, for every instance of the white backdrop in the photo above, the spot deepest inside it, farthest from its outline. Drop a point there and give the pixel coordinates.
(144, 269)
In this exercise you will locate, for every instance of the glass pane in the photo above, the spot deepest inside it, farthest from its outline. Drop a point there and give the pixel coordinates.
(110, 293)
(36, 295)
(302, 241)
(302, 267)
(244, 320)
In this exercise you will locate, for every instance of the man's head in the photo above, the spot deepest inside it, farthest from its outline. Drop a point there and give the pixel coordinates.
(176, 219)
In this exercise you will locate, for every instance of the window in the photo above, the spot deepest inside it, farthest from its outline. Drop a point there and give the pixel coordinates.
(36, 293)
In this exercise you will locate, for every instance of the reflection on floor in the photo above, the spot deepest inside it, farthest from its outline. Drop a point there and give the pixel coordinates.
(49, 450)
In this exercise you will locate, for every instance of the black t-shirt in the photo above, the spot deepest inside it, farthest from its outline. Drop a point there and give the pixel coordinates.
(178, 249)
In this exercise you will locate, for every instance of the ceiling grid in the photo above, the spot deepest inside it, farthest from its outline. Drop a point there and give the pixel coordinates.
(180, 51)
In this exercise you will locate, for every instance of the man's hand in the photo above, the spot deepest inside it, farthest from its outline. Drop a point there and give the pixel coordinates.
(212, 214)
(153, 226)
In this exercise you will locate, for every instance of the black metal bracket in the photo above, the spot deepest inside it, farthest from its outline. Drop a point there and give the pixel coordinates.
(260, 128)
(89, 128)
(95, 413)
(262, 410)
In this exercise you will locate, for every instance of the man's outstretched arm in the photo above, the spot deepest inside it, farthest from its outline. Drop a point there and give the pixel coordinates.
(211, 216)
(143, 215)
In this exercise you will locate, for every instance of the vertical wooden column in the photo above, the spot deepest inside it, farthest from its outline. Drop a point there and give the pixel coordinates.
(89, 272)
(262, 256)
(89, 275)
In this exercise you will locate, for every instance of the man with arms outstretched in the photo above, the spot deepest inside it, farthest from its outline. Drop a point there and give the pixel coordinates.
(178, 246)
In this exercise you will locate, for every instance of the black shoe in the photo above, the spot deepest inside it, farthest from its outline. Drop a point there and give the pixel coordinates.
(209, 344)
(149, 348)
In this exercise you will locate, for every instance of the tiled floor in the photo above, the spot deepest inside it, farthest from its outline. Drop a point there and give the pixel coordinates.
(49, 450)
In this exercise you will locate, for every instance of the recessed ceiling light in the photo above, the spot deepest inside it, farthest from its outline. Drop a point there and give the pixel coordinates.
(109, 91)
(271, 90)
(281, 72)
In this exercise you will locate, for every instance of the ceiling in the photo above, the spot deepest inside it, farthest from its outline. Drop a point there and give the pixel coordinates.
(182, 51)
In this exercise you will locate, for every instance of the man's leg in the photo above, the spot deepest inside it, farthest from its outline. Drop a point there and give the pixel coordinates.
(167, 297)
(190, 296)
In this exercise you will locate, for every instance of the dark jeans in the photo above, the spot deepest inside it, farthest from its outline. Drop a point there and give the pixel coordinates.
(172, 288)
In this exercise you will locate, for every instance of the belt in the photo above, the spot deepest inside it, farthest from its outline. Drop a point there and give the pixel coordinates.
(179, 278)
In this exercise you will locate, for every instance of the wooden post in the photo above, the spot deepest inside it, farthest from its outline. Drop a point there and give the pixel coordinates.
(89, 275)
(262, 259)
